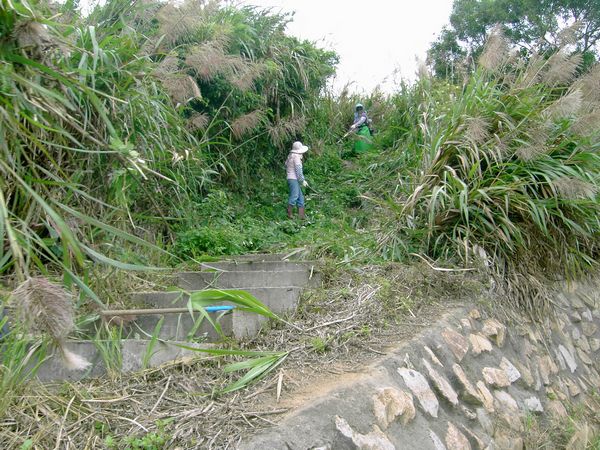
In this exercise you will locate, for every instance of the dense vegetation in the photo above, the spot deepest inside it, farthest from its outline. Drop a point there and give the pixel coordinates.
(114, 126)
(509, 170)
(149, 124)
(150, 135)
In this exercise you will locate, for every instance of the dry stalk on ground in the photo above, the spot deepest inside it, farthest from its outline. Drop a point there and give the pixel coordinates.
(353, 320)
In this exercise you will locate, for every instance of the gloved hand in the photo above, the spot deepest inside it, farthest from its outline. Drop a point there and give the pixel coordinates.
(305, 183)
(352, 128)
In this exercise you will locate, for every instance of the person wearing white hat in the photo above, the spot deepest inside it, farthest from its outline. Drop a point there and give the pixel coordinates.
(295, 179)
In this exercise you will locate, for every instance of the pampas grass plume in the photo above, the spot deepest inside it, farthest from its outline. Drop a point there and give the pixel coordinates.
(495, 53)
(44, 307)
(562, 68)
(247, 123)
(72, 360)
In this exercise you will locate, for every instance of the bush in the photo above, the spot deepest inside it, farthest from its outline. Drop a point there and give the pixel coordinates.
(212, 241)
(507, 171)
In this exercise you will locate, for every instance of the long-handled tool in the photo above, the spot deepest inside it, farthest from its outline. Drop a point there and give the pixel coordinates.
(313, 189)
(135, 312)
(344, 137)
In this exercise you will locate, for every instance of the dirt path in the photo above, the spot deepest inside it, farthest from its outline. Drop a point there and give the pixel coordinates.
(309, 375)
(360, 316)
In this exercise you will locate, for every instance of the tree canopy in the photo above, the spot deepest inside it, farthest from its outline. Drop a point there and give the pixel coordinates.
(530, 25)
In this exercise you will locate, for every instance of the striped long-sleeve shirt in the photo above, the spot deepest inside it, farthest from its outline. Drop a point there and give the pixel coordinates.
(359, 119)
(293, 167)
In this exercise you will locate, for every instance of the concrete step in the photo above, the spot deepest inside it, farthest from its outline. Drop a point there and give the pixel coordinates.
(292, 255)
(272, 278)
(181, 327)
(236, 323)
(196, 281)
(279, 299)
(132, 354)
(269, 266)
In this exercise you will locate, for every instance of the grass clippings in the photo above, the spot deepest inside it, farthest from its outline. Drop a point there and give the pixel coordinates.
(355, 318)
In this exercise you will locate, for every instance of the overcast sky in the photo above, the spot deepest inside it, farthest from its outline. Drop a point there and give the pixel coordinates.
(374, 38)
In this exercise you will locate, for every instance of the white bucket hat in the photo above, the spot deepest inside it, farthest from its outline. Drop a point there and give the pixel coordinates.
(298, 147)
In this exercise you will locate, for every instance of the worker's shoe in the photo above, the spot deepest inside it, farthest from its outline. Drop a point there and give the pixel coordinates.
(301, 214)
(290, 212)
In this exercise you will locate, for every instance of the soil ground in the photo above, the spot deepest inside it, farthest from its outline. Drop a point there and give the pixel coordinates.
(340, 329)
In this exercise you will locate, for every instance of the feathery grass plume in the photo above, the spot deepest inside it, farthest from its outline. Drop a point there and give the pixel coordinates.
(529, 72)
(181, 88)
(33, 37)
(247, 123)
(562, 68)
(566, 106)
(209, 60)
(587, 125)
(571, 188)
(168, 65)
(422, 70)
(477, 130)
(501, 146)
(199, 121)
(536, 145)
(45, 307)
(244, 76)
(590, 84)
(569, 35)
(495, 52)
(284, 130)
(179, 22)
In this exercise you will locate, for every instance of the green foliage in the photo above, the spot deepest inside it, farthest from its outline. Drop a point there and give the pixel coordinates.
(243, 301)
(155, 440)
(257, 365)
(230, 222)
(26, 445)
(149, 352)
(243, 83)
(20, 358)
(129, 124)
(150, 441)
(108, 343)
(82, 142)
(507, 170)
(533, 26)
(257, 368)
(226, 240)
(318, 344)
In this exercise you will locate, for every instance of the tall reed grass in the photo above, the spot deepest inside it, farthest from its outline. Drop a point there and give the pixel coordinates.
(506, 170)
(88, 141)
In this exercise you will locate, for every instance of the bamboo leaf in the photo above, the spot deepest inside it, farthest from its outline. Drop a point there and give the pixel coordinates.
(246, 301)
(63, 228)
(152, 343)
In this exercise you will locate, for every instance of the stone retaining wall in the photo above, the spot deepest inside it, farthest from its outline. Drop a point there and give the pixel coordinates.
(466, 383)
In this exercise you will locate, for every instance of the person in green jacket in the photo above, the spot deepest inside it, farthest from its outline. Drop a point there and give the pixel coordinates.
(360, 125)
